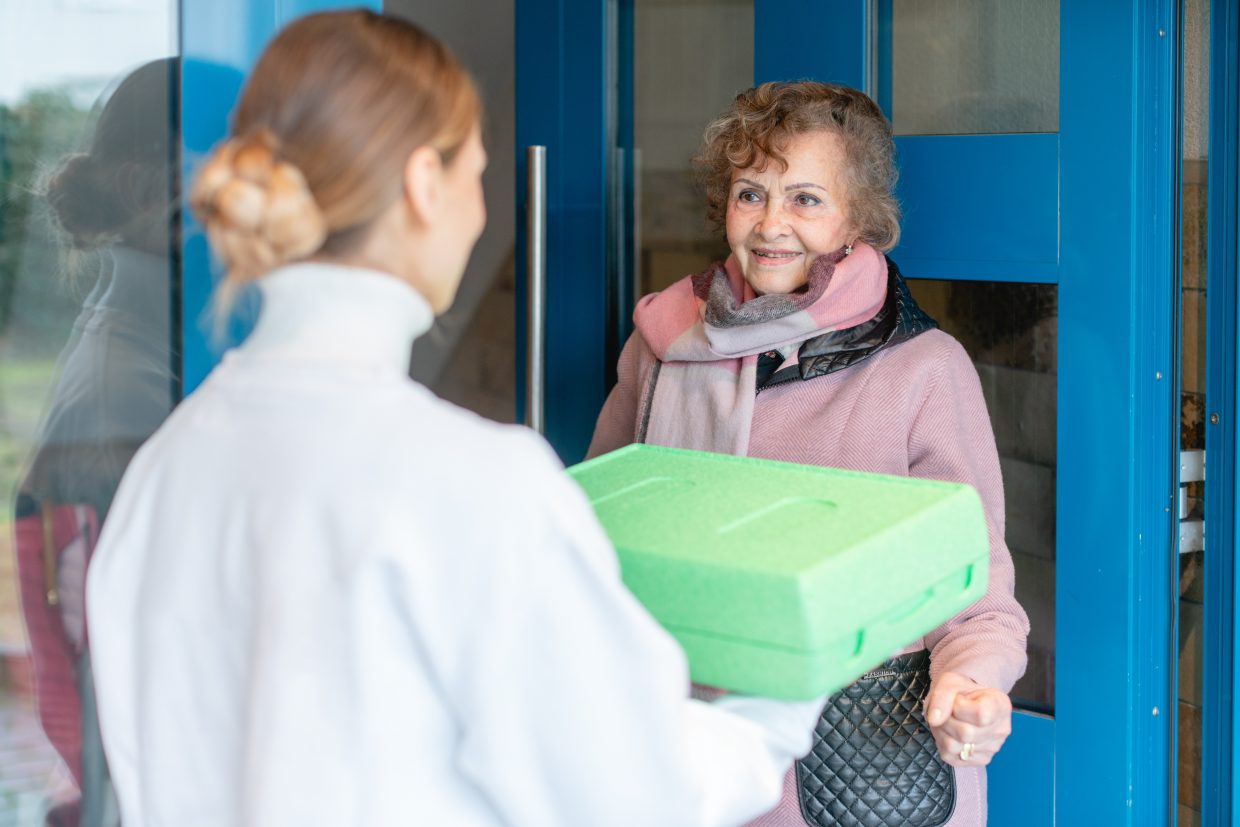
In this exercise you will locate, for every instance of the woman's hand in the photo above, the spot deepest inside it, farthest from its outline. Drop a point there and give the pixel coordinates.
(969, 721)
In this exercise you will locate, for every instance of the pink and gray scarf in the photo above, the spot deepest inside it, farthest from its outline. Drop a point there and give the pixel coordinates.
(707, 331)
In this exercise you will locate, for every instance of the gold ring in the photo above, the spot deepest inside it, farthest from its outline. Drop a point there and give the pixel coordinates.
(966, 752)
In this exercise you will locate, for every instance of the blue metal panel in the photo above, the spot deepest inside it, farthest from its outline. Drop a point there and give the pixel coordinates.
(220, 40)
(811, 41)
(1220, 721)
(287, 10)
(980, 207)
(1021, 779)
(561, 51)
(1113, 589)
(1155, 325)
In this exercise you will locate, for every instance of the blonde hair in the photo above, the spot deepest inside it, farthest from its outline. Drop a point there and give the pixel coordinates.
(761, 121)
(335, 106)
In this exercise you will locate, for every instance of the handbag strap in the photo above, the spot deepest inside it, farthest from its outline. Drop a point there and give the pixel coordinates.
(51, 590)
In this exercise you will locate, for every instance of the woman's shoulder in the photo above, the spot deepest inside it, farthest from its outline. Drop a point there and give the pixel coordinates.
(423, 437)
(485, 484)
(930, 353)
(432, 425)
(927, 364)
(397, 429)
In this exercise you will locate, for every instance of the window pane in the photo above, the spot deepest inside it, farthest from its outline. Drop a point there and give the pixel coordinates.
(1010, 331)
(963, 67)
(88, 277)
(682, 80)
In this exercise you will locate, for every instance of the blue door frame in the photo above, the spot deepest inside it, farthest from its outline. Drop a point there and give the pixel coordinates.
(1220, 715)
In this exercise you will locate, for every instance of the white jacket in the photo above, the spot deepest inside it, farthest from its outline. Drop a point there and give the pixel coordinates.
(324, 596)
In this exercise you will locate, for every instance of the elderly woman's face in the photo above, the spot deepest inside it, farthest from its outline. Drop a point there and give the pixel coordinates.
(779, 221)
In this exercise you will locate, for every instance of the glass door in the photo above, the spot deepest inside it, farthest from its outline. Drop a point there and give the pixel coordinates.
(1028, 231)
(566, 94)
(1017, 180)
(990, 71)
(686, 64)
(973, 92)
(89, 356)
(106, 108)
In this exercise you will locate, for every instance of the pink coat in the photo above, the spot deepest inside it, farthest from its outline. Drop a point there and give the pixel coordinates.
(914, 409)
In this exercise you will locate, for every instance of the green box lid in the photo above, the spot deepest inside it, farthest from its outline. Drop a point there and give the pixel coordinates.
(786, 580)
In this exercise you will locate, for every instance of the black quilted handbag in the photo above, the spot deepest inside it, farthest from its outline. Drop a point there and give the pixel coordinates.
(874, 762)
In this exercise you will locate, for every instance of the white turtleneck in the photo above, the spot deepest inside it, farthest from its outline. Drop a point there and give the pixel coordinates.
(324, 596)
(331, 316)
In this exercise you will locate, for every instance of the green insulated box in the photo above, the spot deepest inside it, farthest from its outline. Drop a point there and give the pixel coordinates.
(786, 580)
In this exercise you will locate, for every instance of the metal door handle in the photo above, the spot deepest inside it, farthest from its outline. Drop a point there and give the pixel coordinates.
(536, 286)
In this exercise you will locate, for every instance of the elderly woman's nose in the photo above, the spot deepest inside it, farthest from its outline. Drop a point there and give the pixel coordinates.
(773, 223)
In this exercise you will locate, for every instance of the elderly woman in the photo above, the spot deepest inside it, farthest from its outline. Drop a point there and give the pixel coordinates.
(806, 346)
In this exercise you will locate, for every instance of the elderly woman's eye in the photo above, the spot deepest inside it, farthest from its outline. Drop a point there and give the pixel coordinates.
(748, 197)
(806, 200)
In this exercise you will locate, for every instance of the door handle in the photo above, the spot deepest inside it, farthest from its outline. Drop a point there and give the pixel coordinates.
(536, 287)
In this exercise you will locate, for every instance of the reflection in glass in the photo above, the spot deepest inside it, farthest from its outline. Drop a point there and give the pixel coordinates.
(689, 60)
(1011, 332)
(1195, 124)
(961, 67)
(87, 373)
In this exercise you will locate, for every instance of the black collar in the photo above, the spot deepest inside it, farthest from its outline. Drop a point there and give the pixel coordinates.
(899, 320)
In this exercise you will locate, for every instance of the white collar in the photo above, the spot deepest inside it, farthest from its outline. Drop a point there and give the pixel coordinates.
(337, 315)
(139, 284)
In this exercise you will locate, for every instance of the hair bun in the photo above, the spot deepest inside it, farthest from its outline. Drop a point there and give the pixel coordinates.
(258, 209)
(81, 201)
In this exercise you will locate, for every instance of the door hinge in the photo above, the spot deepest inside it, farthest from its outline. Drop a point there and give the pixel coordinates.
(1192, 526)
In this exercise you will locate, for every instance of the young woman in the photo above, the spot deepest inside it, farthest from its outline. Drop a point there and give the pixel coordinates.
(324, 596)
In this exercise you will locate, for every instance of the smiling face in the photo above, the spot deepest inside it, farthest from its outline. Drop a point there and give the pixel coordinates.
(779, 221)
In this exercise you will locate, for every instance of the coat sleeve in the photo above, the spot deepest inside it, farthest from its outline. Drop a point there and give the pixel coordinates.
(617, 424)
(951, 439)
(575, 705)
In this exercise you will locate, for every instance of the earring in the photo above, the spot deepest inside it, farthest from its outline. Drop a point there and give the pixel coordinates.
(848, 249)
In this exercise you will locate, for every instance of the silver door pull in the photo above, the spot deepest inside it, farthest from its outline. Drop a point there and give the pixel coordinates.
(536, 286)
